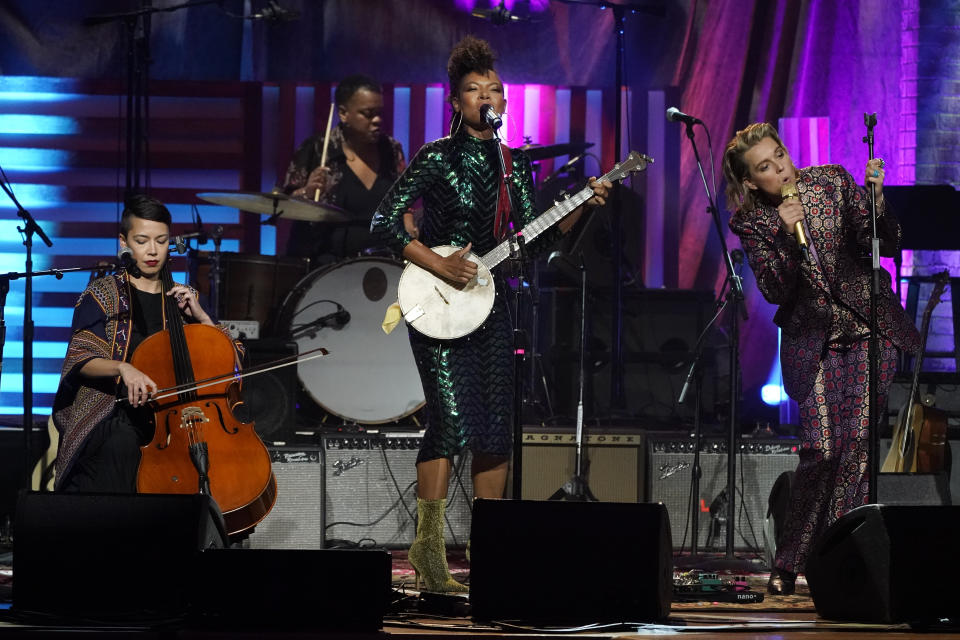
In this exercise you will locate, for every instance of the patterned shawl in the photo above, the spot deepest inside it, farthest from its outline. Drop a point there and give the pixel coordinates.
(102, 324)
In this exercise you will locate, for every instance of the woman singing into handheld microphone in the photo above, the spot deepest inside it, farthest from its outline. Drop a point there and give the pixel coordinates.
(823, 313)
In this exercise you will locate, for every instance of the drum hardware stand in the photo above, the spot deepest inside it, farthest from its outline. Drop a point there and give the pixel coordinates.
(576, 488)
(734, 298)
(216, 270)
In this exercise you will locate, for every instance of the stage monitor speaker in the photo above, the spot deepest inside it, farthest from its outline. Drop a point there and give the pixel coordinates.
(887, 564)
(110, 557)
(270, 398)
(589, 561)
(760, 462)
(370, 491)
(296, 520)
(615, 468)
(296, 589)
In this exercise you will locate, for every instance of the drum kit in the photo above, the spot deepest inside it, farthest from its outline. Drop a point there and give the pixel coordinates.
(369, 377)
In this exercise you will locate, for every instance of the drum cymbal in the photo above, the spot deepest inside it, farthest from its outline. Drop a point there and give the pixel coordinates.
(285, 206)
(542, 152)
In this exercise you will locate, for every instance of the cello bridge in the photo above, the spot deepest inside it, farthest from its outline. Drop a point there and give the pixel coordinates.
(192, 416)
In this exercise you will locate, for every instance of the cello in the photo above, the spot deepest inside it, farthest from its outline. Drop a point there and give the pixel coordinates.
(920, 435)
(199, 445)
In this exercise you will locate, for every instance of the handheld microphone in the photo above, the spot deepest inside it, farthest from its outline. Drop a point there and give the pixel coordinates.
(675, 115)
(787, 191)
(490, 116)
(128, 262)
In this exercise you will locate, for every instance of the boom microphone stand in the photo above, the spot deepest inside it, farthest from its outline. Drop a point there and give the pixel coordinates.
(29, 228)
(734, 299)
(518, 255)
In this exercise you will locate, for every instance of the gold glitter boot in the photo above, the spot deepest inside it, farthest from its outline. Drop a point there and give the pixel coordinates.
(428, 553)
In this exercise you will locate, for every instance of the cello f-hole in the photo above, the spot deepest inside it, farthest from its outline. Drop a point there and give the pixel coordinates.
(223, 424)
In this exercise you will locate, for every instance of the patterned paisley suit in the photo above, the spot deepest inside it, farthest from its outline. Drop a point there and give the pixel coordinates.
(823, 315)
(468, 382)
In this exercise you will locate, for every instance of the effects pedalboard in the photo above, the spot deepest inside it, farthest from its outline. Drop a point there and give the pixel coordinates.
(696, 585)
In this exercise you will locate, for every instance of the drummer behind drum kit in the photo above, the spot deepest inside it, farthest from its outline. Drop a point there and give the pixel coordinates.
(369, 377)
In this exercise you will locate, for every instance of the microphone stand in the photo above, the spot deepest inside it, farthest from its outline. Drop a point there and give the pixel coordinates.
(873, 345)
(734, 299)
(695, 376)
(29, 228)
(518, 254)
(28, 276)
(576, 488)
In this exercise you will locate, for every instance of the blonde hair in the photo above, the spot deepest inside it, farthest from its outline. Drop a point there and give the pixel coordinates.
(735, 170)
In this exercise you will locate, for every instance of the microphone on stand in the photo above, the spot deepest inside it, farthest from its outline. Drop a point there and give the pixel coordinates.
(787, 191)
(567, 165)
(498, 16)
(675, 115)
(128, 262)
(490, 116)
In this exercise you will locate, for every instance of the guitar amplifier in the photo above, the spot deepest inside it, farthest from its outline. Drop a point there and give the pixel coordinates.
(296, 520)
(759, 463)
(370, 491)
(613, 462)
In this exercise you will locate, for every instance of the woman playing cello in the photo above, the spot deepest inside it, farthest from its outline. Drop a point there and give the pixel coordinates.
(100, 438)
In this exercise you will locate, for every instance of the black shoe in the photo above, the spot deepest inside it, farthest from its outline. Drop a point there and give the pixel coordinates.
(782, 583)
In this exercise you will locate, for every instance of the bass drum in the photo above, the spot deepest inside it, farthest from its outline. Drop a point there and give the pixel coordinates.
(369, 377)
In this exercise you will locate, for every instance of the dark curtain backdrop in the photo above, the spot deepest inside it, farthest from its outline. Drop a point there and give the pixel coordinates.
(734, 61)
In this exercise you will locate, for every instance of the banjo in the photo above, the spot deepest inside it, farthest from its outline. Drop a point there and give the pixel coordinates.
(446, 310)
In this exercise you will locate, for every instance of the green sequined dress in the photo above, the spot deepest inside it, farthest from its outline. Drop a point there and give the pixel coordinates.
(468, 382)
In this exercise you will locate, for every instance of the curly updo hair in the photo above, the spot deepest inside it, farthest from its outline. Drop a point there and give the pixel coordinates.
(470, 55)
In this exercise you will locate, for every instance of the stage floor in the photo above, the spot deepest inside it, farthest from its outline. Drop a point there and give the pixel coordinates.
(784, 618)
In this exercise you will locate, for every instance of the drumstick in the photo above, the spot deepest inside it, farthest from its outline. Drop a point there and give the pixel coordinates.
(326, 142)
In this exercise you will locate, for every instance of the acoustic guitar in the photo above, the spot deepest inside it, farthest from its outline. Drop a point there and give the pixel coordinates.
(920, 435)
(447, 310)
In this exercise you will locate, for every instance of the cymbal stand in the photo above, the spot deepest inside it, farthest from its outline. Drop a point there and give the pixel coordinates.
(216, 270)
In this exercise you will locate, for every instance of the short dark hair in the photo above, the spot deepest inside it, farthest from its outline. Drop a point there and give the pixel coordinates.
(470, 55)
(351, 84)
(144, 207)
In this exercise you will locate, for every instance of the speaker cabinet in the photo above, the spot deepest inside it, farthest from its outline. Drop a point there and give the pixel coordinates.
(759, 463)
(371, 491)
(296, 520)
(111, 557)
(887, 564)
(269, 399)
(614, 463)
(589, 561)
